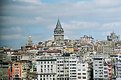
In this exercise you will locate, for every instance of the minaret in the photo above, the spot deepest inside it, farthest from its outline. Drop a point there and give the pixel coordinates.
(58, 34)
(29, 43)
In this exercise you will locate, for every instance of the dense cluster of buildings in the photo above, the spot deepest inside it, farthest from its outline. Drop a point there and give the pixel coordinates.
(63, 59)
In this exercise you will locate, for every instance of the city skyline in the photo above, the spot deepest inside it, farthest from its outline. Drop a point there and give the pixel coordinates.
(38, 18)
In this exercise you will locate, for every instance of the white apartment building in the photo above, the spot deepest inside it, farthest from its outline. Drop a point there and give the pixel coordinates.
(46, 68)
(102, 68)
(62, 68)
(83, 71)
(72, 68)
(67, 67)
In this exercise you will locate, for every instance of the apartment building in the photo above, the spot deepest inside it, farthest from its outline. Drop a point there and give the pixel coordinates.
(71, 67)
(46, 68)
(102, 67)
(20, 69)
(116, 58)
(83, 71)
(67, 67)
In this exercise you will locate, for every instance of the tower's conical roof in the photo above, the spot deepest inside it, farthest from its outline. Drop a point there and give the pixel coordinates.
(58, 25)
(58, 28)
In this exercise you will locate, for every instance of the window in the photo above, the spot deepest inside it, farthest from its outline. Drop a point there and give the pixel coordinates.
(79, 77)
(15, 64)
(100, 67)
(101, 73)
(83, 65)
(95, 64)
(84, 77)
(73, 76)
(51, 70)
(84, 73)
(105, 75)
(51, 66)
(109, 73)
(84, 69)
(41, 70)
(73, 68)
(100, 76)
(79, 73)
(105, 72)
(100, 64)
(73, 73)
(61, 71)
(95, 70)
(61, 64)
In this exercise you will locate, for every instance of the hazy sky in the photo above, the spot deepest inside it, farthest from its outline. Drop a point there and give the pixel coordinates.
(37, 18)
